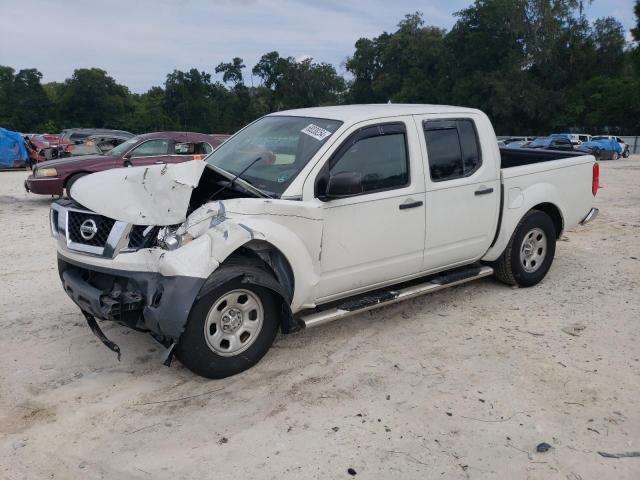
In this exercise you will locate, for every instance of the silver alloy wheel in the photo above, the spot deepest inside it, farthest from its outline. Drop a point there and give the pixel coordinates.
(234, 322)
(533, 250)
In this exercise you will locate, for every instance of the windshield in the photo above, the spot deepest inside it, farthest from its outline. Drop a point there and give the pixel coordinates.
(123, 147)
(284, 144)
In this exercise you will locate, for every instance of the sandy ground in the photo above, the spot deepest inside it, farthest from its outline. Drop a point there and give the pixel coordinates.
(459, 384)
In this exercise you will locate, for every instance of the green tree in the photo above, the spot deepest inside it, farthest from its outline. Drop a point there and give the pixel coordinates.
(608, 36)
(93, 98)
(6, 96)
(232, 72)
(294, 84)
(405, 66)
(24, 105)
(635, 31)
(149, 112)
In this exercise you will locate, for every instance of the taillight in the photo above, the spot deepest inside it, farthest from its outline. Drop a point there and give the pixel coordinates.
(595, 180)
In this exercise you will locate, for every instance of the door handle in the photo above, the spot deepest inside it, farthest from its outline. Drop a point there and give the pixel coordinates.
(404, 206)
(484, 191)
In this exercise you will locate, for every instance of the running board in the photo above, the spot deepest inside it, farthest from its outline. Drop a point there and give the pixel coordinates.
(382, 298)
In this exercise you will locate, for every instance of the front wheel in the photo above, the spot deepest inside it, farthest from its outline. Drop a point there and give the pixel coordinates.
(530, 251)
(229, 330)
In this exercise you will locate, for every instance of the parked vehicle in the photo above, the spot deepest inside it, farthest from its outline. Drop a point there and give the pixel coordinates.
(309, 216)
(70, 136)
(508, 140)
(41, 147)
(54, 176)
(624, 150)
(13, 153)
(583, 137)
(93, 145)
(572, 137)
(558, 142)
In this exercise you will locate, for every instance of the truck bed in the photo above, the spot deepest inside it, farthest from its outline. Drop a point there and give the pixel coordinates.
(517, 157)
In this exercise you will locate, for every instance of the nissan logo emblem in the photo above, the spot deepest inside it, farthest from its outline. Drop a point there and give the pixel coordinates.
(88, 229)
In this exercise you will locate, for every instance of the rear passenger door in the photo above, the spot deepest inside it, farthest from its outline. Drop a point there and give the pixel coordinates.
(463, 192)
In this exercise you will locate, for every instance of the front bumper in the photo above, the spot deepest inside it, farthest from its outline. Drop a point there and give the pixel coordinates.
(140, 300)
(44, 185)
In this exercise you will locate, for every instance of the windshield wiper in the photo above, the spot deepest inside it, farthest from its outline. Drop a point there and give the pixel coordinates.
(267, 193)
(239, 176)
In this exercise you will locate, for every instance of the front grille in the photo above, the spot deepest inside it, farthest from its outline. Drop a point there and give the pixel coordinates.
(138, 239)
(103, 228)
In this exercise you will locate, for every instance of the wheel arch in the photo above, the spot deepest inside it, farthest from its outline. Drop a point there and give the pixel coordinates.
(554, 213)
(273, 259)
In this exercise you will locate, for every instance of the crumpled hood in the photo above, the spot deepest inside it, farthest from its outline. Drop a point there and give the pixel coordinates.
(148, 195)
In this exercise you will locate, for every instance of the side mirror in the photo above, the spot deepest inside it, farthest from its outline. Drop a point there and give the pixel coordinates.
(344, 184)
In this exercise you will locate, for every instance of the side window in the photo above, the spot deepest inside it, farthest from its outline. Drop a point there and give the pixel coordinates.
(184, 148)
(75, 137)
(379, 153)
(202, 148)
(452, 147)
(151, 148)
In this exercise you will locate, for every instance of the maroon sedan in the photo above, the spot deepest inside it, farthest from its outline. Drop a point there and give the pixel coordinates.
(53, 176)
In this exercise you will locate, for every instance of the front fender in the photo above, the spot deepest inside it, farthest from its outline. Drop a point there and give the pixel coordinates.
(298, 238)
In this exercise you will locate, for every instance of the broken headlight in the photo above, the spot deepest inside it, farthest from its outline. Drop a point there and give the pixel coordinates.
(172, 238)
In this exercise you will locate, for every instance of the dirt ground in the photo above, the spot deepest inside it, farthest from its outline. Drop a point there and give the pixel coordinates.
(463, 383)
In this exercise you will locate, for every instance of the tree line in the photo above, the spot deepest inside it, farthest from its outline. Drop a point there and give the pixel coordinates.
(533, 66)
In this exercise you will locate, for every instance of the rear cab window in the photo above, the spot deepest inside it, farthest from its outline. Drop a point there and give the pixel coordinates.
(453, 148)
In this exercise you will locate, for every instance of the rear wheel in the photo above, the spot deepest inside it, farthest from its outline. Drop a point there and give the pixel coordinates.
(530, 251)
(229, 330)
(615, 156)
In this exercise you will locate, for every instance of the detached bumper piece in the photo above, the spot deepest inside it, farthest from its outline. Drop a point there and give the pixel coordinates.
(111, 303)
(95, 328)
(593, 213)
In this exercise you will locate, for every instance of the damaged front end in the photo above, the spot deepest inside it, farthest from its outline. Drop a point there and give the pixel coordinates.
(134, 254)
(127, 273)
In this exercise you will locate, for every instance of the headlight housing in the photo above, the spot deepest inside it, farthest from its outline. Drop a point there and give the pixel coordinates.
(46, 172)
(172, 238)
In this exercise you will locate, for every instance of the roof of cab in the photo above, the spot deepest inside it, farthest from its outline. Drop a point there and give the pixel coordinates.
(356, 113)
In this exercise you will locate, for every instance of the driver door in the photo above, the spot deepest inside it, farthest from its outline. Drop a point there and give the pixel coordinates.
(377, 235)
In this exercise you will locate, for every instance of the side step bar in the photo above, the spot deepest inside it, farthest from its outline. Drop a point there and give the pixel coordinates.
(387, 297)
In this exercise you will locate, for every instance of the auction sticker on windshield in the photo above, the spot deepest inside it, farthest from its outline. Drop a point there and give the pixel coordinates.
(316, 132)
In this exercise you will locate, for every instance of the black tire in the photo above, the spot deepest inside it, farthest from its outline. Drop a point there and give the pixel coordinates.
(626, 153)
(509, 269)
(71, 181)
(194, 351)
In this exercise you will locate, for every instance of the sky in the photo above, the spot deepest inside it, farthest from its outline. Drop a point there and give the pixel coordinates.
(138, 42)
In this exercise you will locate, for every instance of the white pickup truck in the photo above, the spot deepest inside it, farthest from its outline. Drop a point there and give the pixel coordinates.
(308, 216)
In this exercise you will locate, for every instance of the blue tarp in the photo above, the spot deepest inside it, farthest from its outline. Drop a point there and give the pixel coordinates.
(13, 152)
(604, 144)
